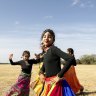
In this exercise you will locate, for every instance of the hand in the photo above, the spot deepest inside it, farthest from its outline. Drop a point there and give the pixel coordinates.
(37, 56)
(56, 79)
(10, 56)
(42, 78)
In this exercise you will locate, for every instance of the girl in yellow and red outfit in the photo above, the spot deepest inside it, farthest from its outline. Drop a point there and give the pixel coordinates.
(51, 74)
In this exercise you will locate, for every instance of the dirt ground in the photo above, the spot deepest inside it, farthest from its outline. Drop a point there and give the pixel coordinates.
(86, 75)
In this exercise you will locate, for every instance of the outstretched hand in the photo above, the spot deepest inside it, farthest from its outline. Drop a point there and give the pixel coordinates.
(10, 56)
(37, 56)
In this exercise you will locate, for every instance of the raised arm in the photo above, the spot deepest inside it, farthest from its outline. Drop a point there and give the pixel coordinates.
(11, 61)
(38, 58)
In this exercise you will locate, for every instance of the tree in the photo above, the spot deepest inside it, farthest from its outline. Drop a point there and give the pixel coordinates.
(88, 59)
(78, 61)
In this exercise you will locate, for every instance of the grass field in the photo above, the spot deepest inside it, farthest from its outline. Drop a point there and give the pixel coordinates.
(85, 73)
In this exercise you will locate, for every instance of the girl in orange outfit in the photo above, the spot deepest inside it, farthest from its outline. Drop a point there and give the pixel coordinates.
(71, 76)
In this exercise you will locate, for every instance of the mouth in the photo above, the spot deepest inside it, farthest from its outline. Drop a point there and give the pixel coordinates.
(46, 41)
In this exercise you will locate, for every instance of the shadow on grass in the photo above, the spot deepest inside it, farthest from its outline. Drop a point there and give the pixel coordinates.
(87, 93)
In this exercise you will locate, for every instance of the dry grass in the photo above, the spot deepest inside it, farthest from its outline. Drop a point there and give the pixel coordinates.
(85, 73)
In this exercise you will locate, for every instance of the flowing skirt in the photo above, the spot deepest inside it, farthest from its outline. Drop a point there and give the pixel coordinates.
(37, 86)
(72, 79)
(21, 88)
(49, 88)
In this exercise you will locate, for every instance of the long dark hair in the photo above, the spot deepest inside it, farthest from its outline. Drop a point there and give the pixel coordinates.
(51, 32)
(71, 51)
(26, 52)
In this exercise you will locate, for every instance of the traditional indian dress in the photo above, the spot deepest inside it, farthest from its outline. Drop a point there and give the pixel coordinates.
(52, 67)
(22, 86)
(72, 79)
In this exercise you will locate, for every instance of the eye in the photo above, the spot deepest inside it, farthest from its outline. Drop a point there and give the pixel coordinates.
(49, 36)
(26, 56)
(44, 36)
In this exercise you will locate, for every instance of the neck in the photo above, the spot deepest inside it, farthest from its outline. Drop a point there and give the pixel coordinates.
(46, 48)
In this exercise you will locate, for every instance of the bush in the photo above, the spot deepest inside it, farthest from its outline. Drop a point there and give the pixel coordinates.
(88, 59)
(78, 61)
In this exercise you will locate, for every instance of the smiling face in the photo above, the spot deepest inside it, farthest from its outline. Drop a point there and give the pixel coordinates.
(47, 39)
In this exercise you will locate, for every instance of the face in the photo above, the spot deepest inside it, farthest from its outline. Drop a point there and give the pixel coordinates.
(68, 52)
(47, 39)
(26, 57)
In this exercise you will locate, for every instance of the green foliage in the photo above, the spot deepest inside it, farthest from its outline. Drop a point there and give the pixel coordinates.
(88, 59)
(78, 61)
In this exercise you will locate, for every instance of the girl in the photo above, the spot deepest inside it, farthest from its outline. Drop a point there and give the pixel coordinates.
(21, 88)
(51, 73)
(71, 77)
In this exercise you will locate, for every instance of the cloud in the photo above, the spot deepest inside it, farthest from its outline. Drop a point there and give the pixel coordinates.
(75, 2)
(17, 46)
(83, 4)
(90, 4)
(78, 36)
(48, 17)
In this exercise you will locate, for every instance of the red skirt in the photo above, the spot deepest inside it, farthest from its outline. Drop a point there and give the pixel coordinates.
(49, 88)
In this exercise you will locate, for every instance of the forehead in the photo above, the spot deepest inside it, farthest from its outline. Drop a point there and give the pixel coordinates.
(26, 54)
(48, 33)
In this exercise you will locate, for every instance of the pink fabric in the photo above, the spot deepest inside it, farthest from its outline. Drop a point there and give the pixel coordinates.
(21, 88)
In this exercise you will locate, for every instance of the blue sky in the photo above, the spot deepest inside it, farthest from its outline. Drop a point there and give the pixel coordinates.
(23, 21)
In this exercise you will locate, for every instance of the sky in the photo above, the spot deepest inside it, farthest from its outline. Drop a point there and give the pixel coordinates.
(23, 21)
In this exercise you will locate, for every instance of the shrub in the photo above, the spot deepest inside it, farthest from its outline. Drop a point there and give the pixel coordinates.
(88, 59)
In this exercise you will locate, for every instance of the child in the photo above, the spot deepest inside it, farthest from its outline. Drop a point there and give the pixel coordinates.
(71, 77)
(51, 73)
(21, 88)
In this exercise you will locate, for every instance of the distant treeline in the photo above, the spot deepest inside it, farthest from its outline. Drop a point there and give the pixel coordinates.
(85, 59)
(4, 63)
